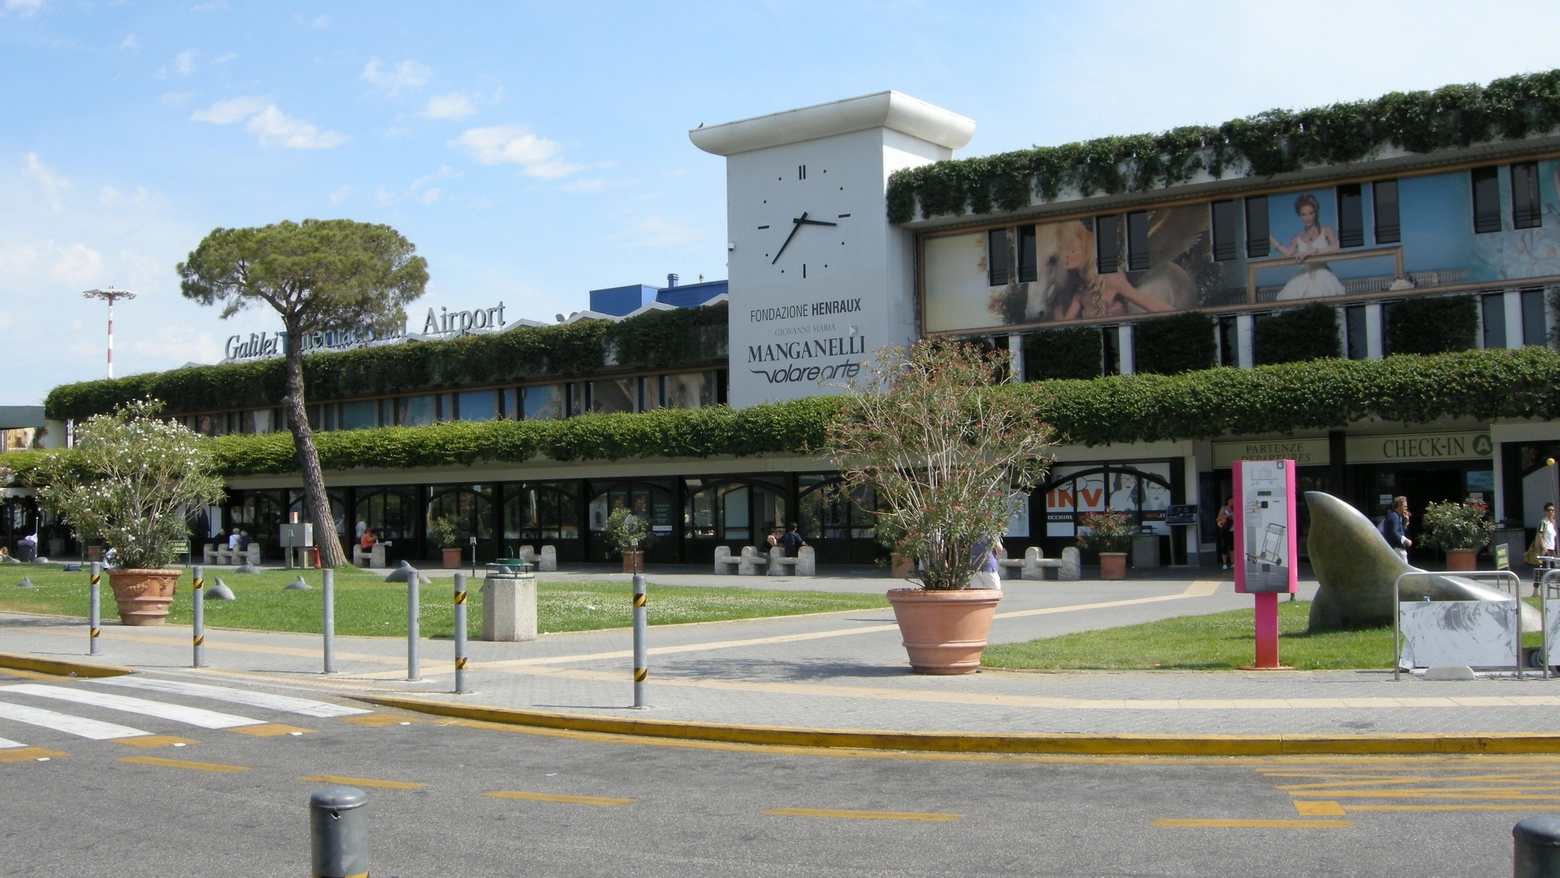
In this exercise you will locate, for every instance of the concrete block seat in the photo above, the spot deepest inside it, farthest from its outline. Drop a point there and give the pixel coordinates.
(1034, 564)
(804, 564)
(222, 555)
(373, 557)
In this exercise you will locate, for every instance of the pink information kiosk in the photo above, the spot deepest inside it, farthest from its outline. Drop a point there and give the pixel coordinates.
(1265, 545)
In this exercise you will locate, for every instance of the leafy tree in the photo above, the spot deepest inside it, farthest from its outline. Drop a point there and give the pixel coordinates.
(318, 275)
(943, 450)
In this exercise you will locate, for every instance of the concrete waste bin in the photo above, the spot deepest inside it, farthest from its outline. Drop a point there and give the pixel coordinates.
(508, 604)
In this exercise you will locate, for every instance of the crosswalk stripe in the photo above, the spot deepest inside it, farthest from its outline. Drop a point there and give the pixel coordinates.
(6, 744)
(194, 716)
(79, 726)
(285, 703)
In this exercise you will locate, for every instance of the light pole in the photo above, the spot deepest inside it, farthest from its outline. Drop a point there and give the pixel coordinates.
(109, 294)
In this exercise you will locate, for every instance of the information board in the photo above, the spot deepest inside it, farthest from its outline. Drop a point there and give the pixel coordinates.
(1265, 540)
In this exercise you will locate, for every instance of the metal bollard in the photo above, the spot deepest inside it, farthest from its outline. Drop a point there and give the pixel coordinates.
(641, 655)
(1535, 849)
(94, 610)
(460, 633)
(328, 623)
(412, 632)
(198, 639)
(338, 833)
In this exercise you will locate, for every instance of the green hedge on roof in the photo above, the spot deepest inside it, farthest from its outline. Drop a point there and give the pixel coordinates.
(1275, 142)
(684, 337)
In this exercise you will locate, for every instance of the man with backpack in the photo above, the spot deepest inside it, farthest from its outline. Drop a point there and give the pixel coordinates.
(1395, 526)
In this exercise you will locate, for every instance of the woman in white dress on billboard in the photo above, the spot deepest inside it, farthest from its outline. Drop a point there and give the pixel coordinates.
(1314, 280)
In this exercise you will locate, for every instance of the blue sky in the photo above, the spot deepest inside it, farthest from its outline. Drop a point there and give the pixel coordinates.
(533, 152)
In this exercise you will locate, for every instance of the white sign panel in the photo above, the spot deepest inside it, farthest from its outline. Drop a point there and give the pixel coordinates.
(1478, 634)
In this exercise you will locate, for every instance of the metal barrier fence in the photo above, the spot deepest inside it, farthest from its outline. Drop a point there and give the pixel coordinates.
(1509, 579)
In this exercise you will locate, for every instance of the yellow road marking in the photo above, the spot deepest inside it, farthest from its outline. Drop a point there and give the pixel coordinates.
(1257, 824)
(1454, 807)
(557, 797)
(1435, 793)
(364, 782)
(28, 754)
(375, 720)
(180, 763)
(864, 815)
(1319, 809)
(149, 741)
(268, 730)
(1389, 779)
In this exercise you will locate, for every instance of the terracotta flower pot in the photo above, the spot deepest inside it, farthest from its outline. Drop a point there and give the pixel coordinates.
(143, 596)
(630, 557)
(1462, 559)
(452, 557)
(1113, 565)
(944, 631)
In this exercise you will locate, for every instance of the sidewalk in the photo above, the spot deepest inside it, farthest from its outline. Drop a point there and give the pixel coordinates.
(805, 679)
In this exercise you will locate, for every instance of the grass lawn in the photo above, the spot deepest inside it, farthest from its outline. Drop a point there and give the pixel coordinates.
(366, 605)
(1221, 641)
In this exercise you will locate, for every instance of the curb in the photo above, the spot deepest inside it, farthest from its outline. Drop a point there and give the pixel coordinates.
(60, 668)
(1016, 743)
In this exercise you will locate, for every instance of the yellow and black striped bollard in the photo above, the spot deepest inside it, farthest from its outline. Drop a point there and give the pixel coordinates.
(94, 610)
(198, 639)
(460, 633)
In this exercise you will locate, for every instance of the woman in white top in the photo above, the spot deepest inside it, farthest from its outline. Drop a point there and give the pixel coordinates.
(1315, 279)
(1546, 536)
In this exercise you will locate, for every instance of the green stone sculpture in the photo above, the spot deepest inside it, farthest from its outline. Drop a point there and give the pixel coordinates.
(1356, 568)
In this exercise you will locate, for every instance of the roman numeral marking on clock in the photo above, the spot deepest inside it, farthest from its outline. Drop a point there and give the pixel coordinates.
(761, 228)
(844, 216)
(801, 172)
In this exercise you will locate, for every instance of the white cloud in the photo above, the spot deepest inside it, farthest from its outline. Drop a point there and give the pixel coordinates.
(511, 144)
(211, 6)
(74, 263)
(407, 74)
(317, 22)
(451, 106)
(223, 59)
(53, 184)
(340, 194)
(431, 196)
(185, 61)
(654, 231)
(384, 196)
(23, 7)
(180, 344)
(269, 124)
(6, 319)
(231, 110)
(176, 99)
(130, 44)
(588, 185)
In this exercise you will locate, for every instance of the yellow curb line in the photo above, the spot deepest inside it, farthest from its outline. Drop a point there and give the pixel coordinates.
(1018, 743)
(58, 668)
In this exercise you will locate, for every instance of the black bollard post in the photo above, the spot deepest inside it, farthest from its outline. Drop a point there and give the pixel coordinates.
(338, 833)
(1536, 848)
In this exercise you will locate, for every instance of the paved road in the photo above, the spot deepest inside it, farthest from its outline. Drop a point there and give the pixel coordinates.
(452, 798)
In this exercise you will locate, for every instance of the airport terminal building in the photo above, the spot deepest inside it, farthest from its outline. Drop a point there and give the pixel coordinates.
(852, 226)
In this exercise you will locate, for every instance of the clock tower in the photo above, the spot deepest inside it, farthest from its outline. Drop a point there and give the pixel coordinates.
(819, 279)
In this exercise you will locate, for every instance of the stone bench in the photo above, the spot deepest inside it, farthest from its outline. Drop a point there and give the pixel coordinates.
(749, 563)
(724, 561)
(1034, 565)
(804, 564)
(547, 561)
(230, 557)
(372, 557)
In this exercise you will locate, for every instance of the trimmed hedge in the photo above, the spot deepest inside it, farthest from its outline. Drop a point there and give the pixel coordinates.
(1309, 332)
(1274, 142)
(1175, 344)
(688, 337)
(1431, 325)
(1074, 352)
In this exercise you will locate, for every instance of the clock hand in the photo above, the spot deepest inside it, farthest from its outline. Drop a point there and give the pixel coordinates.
(813, 222)
(794, 229)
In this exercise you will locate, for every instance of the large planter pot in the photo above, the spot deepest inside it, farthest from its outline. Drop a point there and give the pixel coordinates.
(1113, 565)
(143, 596)
(452, 557)
(1462, 559)
(944, 631)
(633, 561)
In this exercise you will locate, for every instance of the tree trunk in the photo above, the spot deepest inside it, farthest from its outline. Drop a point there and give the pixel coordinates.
(314, 496)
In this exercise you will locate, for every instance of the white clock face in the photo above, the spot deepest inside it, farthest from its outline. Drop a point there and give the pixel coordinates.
(805, 223)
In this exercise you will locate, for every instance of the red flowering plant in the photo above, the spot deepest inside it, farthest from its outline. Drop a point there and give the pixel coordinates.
(943, 454)
(1106, 531)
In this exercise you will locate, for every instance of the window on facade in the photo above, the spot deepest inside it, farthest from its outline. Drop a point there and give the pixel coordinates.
(1355, 333)
(1486, 200)
(1351, 216)
(1229, 341)
(650, 501)
(1535, 330)
(542, 511)
(579, 399)
(690, 390)
(322, 417)
(469, 505)
(391, 513)
(1527, 212)
(415, 411)
(1492, 308)
(652, 392)
(1110, 346)
(1028, 271)
(477, 405)
(360, 414)
(1226, 231)
(999, 258)
(1384, 201)
(828, 510)
(543, 402)
(1257, 239)
(615, 395)
(1137, 241)
(511, 403)
(1107, 243)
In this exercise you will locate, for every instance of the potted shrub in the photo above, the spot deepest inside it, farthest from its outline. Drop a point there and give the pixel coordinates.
(943, 454)
(449, 533)
(1110, 534)
(628, 534)
(126, 484)
(1462, 529)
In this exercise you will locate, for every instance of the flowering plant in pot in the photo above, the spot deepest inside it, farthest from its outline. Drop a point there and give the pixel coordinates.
(943, 450)
(126, 483)
(628, 534)
(1459, 528)
(1110, 534)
